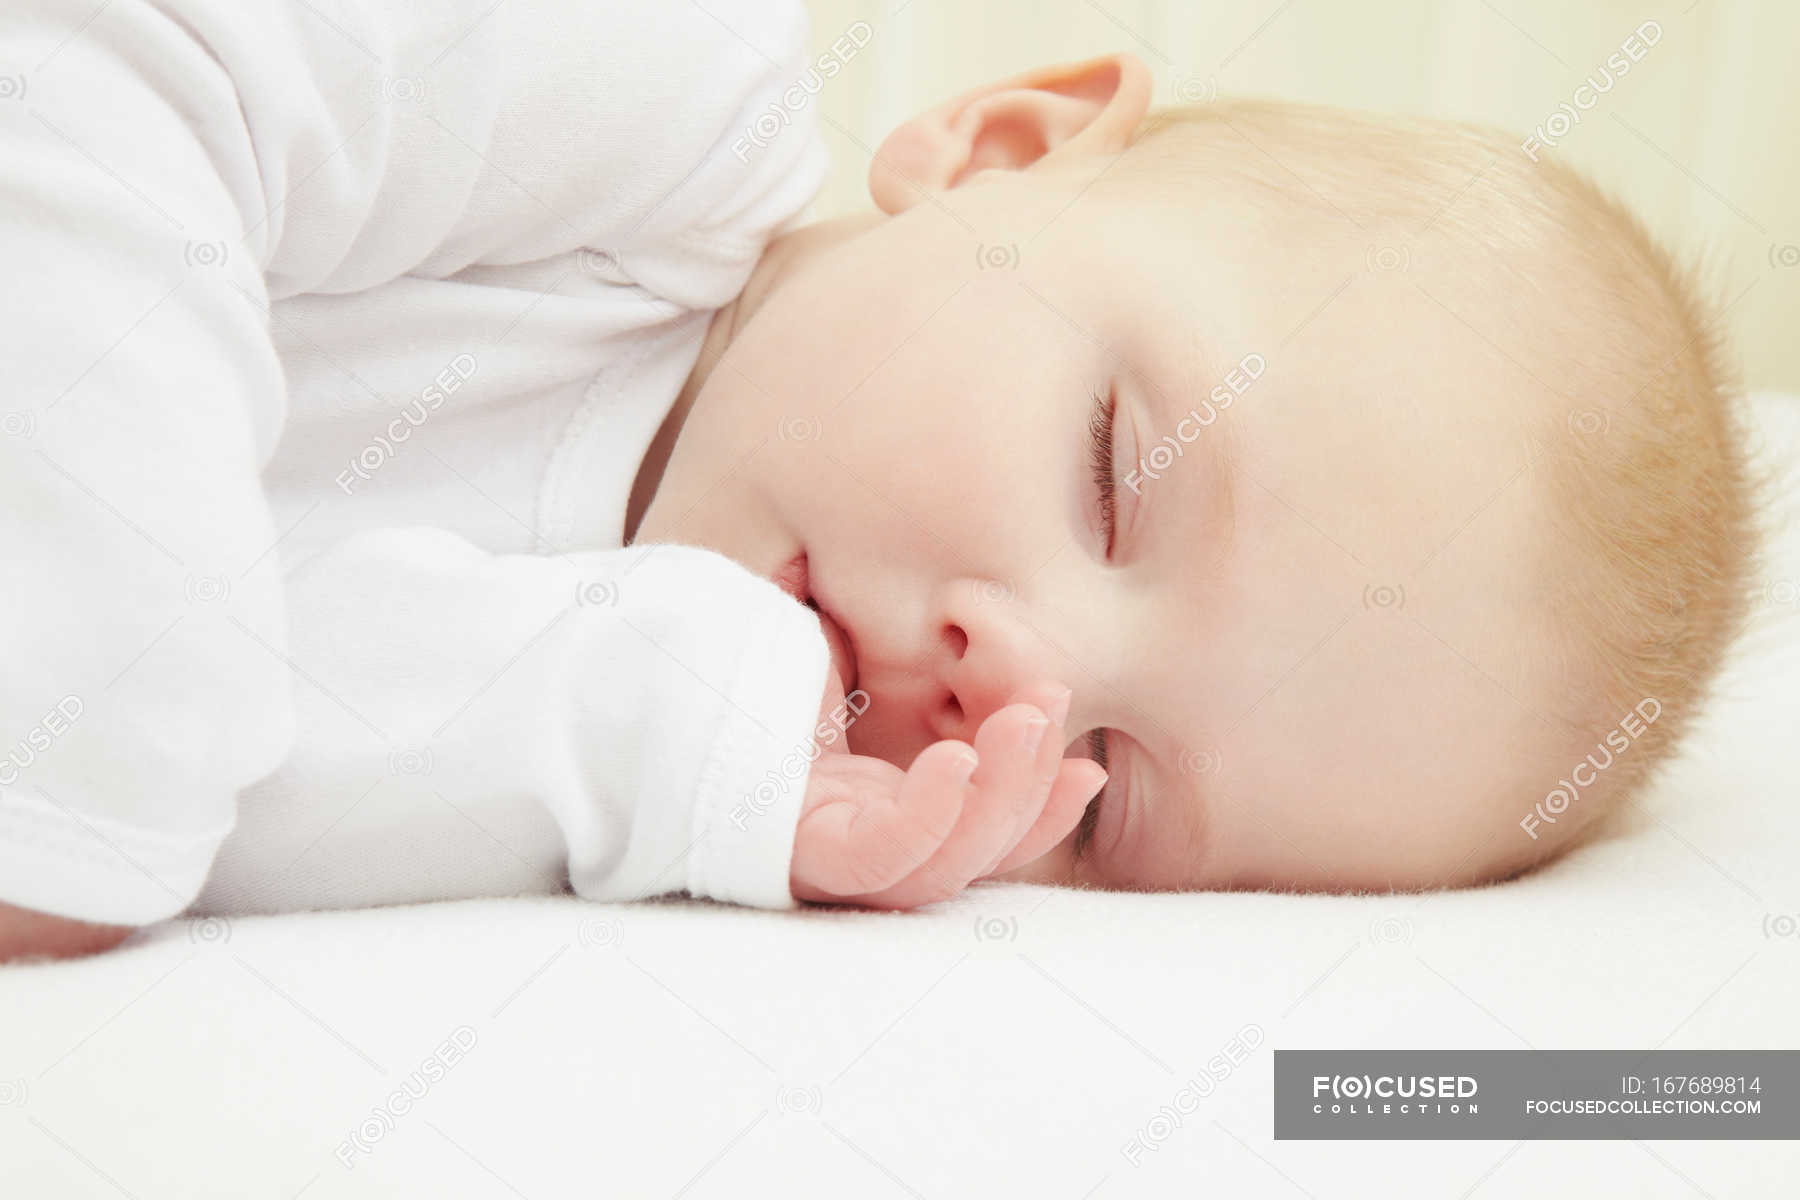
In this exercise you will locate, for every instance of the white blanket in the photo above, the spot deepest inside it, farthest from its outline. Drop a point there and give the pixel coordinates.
(1015, 1042)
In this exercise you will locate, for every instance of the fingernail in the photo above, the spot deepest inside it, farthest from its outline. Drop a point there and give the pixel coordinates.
(1059, 707)
(1035, 729)
(964, 767)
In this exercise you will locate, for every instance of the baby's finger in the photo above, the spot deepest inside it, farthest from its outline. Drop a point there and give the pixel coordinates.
(1078, 781)
(1053, 699)
(882, 833)
(1007, 746)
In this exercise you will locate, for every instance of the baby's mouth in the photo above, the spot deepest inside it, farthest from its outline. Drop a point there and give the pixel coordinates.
(795, 580)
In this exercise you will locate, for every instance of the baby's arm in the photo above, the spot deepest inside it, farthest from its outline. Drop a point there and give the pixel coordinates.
(653, 703)
(26, 933)
(179, 169)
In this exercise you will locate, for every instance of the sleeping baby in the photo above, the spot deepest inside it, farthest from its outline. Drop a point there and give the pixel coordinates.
(445, 462)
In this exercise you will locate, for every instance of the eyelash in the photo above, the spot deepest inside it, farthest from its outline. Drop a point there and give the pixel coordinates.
(1090, 819)
(1100, 462)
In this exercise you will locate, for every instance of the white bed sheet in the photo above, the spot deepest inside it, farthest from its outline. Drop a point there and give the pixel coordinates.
(1011, 1043)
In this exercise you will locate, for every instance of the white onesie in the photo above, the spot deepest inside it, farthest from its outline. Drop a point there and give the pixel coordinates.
(334, 334)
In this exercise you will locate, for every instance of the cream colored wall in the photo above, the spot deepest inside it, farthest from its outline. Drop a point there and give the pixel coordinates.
(1699, 136)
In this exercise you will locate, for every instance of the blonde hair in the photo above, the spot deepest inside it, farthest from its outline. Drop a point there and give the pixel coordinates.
(1651, 507)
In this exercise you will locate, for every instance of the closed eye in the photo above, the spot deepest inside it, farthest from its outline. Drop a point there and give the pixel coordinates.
(1100, 464)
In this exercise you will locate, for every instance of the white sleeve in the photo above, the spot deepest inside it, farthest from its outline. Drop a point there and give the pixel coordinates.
(659, 701)
(167, 168)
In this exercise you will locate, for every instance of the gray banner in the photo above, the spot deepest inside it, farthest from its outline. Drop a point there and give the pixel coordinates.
(1376, 1095)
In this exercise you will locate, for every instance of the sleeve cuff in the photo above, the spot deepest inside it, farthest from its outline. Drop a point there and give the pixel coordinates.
(752, 783)
(57, 861)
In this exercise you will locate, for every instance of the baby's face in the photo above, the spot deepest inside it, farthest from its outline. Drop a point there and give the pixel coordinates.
(1299, 628)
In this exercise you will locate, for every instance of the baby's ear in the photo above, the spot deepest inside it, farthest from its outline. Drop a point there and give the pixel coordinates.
(1089, 107)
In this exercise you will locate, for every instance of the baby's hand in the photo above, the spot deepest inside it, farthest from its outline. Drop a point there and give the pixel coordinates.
(872, 834)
